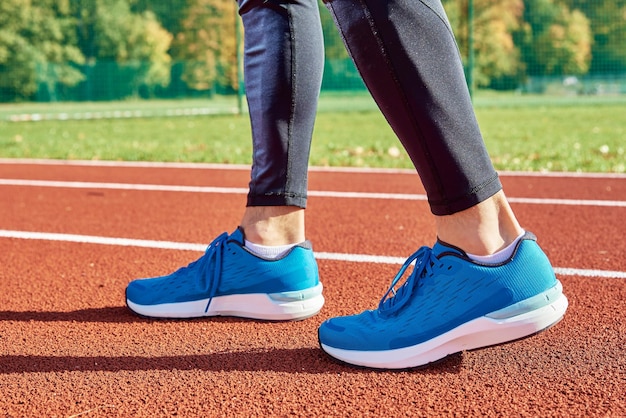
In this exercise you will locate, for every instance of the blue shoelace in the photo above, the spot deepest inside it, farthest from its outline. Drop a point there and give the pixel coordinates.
(212, 256)
(394, 300)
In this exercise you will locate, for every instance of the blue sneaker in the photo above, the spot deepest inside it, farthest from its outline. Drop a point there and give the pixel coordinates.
(230, 281)
(450, 304)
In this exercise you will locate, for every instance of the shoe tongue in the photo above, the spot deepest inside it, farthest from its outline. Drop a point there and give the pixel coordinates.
(441, 248)
(237, 235)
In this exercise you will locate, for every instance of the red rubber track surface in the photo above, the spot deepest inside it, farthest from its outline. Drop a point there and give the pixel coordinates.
(69, 347)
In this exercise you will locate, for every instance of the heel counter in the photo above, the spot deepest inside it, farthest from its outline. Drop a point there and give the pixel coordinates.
(308, 270)
(538, 265)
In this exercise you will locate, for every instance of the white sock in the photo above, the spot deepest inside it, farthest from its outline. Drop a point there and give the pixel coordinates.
(270, 252)
(499, 256)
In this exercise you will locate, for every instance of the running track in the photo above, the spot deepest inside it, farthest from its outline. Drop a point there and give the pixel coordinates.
(73, 234)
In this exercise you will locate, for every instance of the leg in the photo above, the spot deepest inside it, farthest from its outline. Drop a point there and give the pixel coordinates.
(408, 58)
(283, 69)
(450, 301)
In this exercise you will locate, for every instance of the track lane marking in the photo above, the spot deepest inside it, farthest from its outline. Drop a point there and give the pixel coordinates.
(246, 167)
(186, 246)
(122, 186)
(316, 193)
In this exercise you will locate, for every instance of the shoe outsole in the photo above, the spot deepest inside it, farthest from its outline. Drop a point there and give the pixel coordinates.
(478, 333)
(254, 306)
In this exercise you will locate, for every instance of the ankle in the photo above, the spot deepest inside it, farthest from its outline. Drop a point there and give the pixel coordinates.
(499, 256)
(483, 229)
(273, 225)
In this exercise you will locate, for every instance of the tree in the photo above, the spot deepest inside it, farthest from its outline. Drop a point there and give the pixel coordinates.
(494, 21)
(170, 13)
(608, 25)
(207, 43)
(109, 32)
(554, 40)
(37, 47)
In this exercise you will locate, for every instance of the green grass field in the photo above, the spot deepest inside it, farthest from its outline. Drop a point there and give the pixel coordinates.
(521, 132)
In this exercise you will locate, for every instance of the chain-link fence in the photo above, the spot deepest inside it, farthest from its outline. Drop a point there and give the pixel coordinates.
(101, 50)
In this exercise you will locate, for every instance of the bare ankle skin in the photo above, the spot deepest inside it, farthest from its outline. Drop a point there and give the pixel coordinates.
(482, 229)
(273, 225)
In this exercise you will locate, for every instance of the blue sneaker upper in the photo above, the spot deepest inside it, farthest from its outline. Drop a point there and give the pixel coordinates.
(228, 268)
(444, 290)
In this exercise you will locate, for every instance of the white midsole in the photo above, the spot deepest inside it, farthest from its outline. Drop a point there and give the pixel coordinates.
(480, 332)
(256, 306)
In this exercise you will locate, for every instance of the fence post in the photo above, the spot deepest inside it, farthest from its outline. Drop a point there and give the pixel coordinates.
(470, 47)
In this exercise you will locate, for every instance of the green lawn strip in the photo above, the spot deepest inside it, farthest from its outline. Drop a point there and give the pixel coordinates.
(556, 137)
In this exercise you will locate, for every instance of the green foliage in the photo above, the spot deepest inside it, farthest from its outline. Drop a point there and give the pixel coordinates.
(36, 37)
(608, 25)
(170, 13)
(519, 38)
(333, 44)
(207, 42)
(110, 49)
(554, 40)
(109, 31)
(494, 22)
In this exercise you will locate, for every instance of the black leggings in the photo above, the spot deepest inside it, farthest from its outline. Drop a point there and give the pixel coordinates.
(406, 53)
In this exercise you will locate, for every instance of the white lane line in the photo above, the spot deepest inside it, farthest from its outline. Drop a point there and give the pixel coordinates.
(567, 202)
(90, 239)
(122, 164)
(171, 245)
(122, 186)
(317, 193)
(246, 167)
